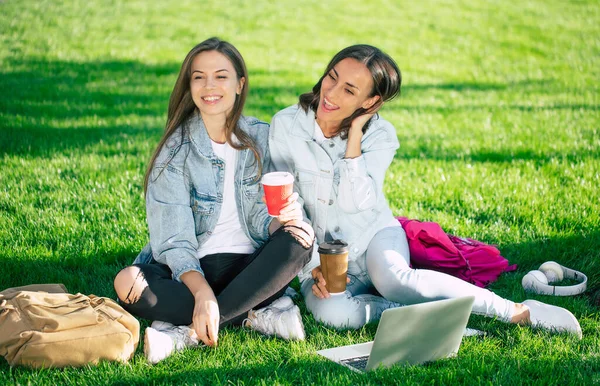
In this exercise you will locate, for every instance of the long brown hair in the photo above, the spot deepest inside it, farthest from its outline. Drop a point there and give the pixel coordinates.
(181, 104)
(387, 80)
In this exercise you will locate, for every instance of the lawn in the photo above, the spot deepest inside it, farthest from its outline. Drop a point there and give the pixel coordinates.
(500, 141)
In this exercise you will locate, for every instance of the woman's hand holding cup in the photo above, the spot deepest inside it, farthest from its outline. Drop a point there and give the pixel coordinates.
(319, 288)
(280, 198)
(279, 195)
(291, 210)
(331, 276)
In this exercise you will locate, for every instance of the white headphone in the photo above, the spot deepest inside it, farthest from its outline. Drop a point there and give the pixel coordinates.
(549, 272)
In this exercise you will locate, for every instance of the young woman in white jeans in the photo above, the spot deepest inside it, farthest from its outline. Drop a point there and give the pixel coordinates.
(339, 149)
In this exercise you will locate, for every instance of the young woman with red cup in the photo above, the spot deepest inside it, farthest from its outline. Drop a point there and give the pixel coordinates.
(215, 258)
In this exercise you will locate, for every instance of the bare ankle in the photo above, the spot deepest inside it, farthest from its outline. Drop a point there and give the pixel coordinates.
(248, 321)
(521, 315)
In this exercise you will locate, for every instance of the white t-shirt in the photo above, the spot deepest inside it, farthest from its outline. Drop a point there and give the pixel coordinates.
(228, 236)
(318, 135)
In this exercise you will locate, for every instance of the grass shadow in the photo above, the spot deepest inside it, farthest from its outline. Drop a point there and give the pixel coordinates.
(78, 275)
(577, 251)
(61, 106)
(497, 157)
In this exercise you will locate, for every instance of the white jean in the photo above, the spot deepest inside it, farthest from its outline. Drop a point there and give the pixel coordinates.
(390, 282)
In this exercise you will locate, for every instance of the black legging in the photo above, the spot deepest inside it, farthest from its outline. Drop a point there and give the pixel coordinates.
(240, 282)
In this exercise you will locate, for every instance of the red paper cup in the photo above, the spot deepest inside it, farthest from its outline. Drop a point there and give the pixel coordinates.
(278, 187)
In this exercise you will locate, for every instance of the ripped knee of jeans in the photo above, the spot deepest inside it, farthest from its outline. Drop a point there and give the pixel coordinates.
(129, 284)
(302, 232)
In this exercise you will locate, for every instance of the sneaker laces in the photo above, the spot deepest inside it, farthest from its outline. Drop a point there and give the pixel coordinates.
(182, 336)
(163, 339)
(281, 318)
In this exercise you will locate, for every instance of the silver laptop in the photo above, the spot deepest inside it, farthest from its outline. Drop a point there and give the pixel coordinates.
(409, 335)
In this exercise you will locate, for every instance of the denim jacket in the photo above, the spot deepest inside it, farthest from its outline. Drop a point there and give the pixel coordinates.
(185, 194)
(342, 198)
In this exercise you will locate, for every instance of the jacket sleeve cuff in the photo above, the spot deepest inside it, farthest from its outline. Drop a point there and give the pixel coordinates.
(177, 276)
(185, 265)
(266, 225)
(354, 167)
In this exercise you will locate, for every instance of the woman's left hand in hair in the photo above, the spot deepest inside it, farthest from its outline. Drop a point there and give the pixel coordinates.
(359, 122)
(291, 211)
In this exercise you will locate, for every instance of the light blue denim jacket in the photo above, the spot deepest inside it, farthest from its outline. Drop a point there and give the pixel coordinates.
(342, 198)
(185, 194)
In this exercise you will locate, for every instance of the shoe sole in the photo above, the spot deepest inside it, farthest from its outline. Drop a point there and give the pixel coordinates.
(147, 332)
(303, 333)
(147, 335)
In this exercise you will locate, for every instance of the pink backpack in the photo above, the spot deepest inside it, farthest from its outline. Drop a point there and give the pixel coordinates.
(470, 260)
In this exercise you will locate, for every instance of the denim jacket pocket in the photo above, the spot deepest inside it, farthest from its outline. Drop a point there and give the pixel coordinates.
(364, 219)
(251, 186)
(306, 181)
(203, 206)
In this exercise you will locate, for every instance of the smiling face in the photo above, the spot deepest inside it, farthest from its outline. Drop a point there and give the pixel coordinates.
(214, 84)
(344, 89)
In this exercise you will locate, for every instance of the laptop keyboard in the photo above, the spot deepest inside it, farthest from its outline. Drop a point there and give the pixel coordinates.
(359, 363)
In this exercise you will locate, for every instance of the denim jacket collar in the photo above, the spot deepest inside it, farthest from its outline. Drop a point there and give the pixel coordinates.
(304, 128)
(199, 136)
(305, 124)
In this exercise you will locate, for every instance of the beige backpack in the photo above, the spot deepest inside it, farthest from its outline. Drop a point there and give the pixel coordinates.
(44, 326)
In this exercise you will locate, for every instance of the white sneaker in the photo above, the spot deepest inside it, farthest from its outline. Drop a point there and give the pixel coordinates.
(473, 332)
(551, 317)
(163, 339)
(281, 318)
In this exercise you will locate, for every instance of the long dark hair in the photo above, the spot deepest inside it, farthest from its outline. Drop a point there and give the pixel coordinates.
(387, 80)
(181, 104)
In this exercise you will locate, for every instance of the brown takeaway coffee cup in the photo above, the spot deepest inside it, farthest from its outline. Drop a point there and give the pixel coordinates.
(334, 265)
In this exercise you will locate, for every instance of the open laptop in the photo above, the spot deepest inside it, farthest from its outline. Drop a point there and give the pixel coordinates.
(409, 335)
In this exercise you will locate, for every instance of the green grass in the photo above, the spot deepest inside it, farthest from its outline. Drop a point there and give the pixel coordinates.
(500, 141)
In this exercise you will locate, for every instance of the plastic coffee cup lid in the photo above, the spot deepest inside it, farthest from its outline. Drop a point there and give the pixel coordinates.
(333, 247)
(277, 178)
